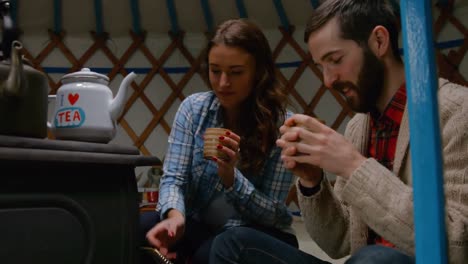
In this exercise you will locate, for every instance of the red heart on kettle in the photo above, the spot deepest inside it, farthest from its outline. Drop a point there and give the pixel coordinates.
(72, 98)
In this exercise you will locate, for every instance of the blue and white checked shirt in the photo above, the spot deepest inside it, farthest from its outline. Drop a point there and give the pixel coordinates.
(190, 182)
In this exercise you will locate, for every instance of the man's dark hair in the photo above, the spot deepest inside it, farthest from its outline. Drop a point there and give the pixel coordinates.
(357, 19)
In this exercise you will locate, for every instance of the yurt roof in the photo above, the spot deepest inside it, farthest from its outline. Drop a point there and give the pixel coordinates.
(117, 17)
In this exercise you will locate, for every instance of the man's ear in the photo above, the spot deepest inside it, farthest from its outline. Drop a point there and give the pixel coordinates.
(379, 41)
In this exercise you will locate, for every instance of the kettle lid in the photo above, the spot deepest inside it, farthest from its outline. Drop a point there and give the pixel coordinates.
(85, 74)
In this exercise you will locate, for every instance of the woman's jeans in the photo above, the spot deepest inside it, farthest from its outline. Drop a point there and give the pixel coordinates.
(380, 254)
(247, 245)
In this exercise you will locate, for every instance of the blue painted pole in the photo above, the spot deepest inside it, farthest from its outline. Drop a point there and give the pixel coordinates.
(98, 16)
(57, 16)
(173, 17)
(421, 76)
(135, 8)
(208, 15)
(241, 8)
(282, 14)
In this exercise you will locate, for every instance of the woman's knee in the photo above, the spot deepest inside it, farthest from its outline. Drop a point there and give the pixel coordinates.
(380, 254)
(228, 238)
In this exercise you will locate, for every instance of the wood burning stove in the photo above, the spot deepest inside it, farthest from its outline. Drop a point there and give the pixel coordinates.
(68, 202)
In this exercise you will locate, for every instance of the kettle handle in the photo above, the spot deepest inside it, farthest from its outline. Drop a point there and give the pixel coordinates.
(13, 85)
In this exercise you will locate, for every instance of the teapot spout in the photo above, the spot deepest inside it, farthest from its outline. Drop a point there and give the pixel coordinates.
(11, 86)
(117, 103)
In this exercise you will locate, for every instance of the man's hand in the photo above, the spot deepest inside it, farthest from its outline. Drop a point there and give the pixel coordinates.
(310, 175)
(305, 140)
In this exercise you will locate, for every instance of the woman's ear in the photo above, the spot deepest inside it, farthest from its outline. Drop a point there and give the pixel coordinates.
(379, 41)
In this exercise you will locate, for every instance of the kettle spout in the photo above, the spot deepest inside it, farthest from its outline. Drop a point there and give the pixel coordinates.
(11, 86)
(117, 103)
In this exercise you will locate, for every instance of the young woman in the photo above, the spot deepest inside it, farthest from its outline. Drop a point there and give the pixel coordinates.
(201, 198)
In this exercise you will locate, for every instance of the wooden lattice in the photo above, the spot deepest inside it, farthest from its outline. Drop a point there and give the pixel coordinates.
(448, 68)
(449, 64)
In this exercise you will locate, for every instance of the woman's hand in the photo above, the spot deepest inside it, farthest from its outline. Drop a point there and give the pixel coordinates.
(229, 144)
(167, 232)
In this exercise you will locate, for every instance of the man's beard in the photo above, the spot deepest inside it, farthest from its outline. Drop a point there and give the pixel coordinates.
(369, 85)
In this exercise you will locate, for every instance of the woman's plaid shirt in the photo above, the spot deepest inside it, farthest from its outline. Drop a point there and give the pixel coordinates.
(189, 182)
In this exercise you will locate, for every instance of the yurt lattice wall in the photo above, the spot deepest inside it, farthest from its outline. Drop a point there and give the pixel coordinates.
(168, 64)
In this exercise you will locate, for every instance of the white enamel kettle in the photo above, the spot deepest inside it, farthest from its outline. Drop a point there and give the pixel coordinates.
(85, 109)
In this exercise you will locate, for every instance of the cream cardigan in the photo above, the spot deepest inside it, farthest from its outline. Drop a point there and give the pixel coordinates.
(338, 219)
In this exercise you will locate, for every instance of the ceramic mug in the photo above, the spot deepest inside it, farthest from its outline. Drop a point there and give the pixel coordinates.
(210, 148)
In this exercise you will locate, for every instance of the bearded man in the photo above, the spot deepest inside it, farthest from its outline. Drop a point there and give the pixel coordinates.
(368, 213)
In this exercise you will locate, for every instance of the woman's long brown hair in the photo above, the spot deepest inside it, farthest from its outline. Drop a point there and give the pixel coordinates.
(264, 110)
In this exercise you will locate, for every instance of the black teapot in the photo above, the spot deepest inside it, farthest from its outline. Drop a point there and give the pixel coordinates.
(23, 89)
